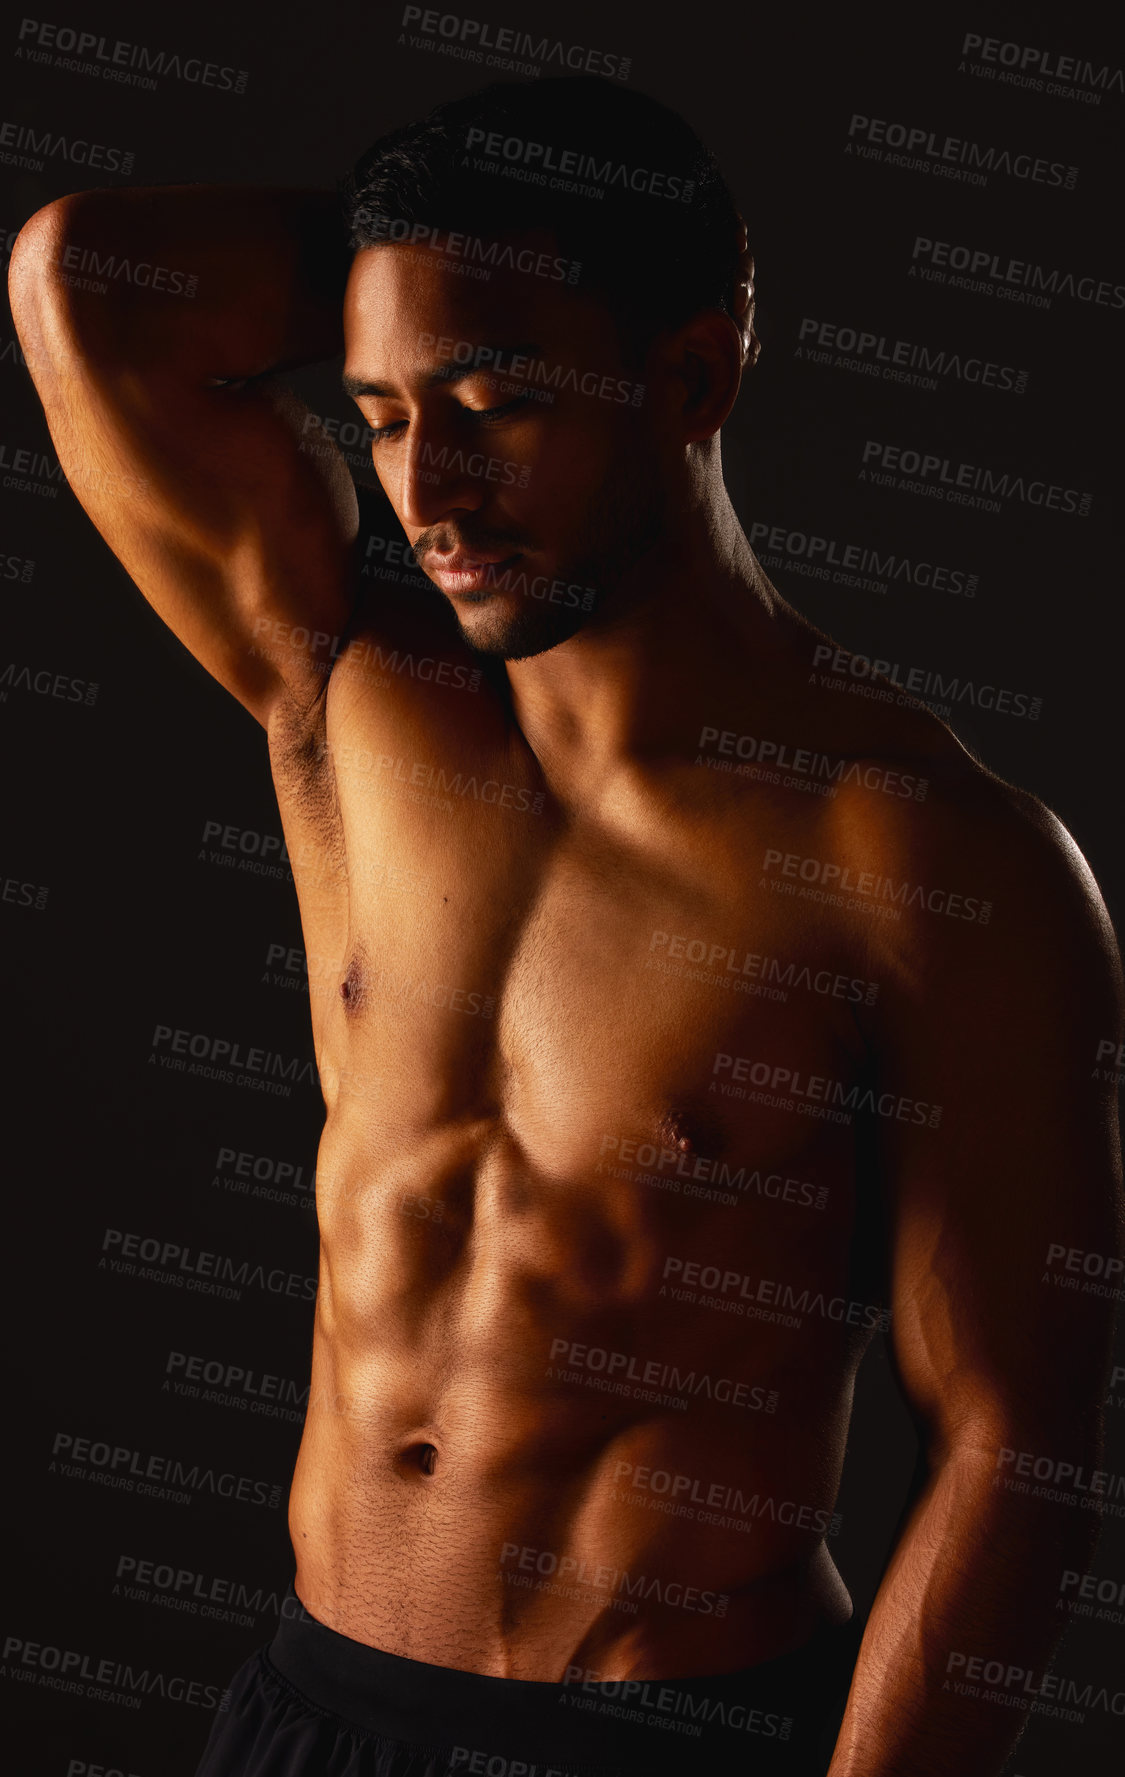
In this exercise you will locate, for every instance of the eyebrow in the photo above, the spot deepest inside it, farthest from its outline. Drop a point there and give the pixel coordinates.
(484, 362)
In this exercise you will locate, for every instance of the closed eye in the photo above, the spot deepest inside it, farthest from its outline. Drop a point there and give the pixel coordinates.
(485, 414)
(496, 413)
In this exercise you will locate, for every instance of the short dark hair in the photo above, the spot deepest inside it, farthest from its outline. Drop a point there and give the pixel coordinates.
(622, 182)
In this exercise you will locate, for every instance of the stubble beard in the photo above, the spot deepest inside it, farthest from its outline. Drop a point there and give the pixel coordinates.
(624, 522)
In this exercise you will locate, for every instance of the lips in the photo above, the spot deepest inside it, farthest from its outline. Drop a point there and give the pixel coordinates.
(466, 570)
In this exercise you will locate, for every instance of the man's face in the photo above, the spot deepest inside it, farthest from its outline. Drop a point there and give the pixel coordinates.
(514, 444)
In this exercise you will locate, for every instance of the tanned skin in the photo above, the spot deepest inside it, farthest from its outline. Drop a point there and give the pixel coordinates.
(475, 1220)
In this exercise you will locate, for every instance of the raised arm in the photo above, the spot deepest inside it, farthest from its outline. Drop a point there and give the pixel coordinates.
(1000, 1338)
(154, 323)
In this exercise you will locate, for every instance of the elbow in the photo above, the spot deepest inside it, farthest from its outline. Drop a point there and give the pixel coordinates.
(43, 309)
(36, 250)
(1051, 1444)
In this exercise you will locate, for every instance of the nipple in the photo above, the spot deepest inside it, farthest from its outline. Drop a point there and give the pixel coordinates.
(696, 1131)
(351, 987)
(676, 1132)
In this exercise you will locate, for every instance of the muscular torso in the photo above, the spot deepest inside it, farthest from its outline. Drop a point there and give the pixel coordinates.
(592, 1297)
(596, 1272)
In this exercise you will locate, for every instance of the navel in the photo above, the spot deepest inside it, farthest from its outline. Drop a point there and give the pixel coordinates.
(421, 1457)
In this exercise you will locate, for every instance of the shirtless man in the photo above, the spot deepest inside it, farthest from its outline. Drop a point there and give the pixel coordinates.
(655, 1080)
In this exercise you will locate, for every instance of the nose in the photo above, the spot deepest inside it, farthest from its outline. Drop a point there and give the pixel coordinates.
(436, 476)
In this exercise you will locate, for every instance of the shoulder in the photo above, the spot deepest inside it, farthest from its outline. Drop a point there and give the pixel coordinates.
(994, 905)
(912, 793)
(963, 822)
(928, 847)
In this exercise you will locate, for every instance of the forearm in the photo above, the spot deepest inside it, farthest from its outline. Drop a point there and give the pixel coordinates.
(975, 1575)
(209, 281)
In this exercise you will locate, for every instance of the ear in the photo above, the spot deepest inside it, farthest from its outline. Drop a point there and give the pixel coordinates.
(703, 364)
(744, 300)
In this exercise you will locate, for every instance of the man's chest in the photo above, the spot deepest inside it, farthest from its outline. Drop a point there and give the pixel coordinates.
(602, 1041)
(602, 984)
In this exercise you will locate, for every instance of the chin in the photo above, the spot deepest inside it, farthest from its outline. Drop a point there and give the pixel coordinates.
(519, 634)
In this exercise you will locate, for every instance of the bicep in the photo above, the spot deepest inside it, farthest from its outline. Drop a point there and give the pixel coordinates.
(993, 1319)
(233, 518)
(228, 507)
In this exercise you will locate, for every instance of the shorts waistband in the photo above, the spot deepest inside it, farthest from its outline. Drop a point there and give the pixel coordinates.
(762, 1715)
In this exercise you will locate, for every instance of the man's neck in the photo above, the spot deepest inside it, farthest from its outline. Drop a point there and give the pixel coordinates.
(692, 613)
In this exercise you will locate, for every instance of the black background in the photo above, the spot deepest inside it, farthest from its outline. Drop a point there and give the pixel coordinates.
(109, 800)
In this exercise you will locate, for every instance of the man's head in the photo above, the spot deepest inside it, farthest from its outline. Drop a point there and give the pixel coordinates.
(546, 319)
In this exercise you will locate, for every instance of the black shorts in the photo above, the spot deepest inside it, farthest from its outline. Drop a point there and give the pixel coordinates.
(317, 1704)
